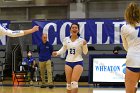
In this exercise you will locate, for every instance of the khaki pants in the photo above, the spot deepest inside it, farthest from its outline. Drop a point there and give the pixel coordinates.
(46, 65)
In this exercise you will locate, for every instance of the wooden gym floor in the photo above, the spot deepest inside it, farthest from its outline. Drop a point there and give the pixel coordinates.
(10, 89)
(60, 88)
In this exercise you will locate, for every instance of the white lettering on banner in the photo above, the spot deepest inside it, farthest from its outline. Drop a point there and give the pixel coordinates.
(99, 31)
(4, 25)
(46, 30)
(55, 41)
(99, 38)
(82, 29)
(90, 40)
(63, 30)
(117, 29)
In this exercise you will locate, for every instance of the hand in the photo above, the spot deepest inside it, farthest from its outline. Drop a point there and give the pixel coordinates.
(84, 42)
(54, 53)
(35, 28)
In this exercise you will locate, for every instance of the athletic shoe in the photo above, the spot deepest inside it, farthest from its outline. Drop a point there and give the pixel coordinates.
(42, 86)
(51, 86)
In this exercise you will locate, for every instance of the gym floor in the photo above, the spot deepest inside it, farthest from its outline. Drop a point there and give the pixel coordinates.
(15, 89)
(84, 87)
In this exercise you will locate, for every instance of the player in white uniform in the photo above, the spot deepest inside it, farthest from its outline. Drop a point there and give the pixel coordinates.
(17, 33)
(130, 34)
(75, 46)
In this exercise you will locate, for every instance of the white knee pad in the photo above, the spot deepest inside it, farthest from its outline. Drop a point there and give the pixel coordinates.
(74, 84)
(68, 86)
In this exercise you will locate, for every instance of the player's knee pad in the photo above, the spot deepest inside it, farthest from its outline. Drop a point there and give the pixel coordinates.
(68, 86)
(74, 84)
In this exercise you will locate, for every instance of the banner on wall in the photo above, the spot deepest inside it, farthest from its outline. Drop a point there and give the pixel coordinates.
(5, 24)
(95, 31)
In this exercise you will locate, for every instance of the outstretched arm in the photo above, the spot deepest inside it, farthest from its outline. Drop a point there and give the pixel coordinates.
(17, 33)
(32, 30)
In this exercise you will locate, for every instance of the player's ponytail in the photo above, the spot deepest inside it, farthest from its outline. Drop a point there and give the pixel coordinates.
(132, 14)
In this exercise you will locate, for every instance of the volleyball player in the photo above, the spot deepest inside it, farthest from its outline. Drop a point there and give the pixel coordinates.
(75, 45)
(130, 34)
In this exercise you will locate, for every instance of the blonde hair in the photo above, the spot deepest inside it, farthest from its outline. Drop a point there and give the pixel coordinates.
(132, 14)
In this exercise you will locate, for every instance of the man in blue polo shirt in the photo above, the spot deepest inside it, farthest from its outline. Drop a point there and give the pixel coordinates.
(45, 50)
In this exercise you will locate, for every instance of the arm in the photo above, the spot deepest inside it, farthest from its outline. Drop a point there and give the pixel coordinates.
(32, 30)
(124, 42)
(17, 33)
(61, 51)
(85, 48)
(25, 61)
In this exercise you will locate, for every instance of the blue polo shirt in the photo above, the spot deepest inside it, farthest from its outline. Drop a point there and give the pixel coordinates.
(45, 51)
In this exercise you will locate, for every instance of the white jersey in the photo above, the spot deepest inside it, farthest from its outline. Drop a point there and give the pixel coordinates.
(75, 49)
(131, 42)
(11, 33)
